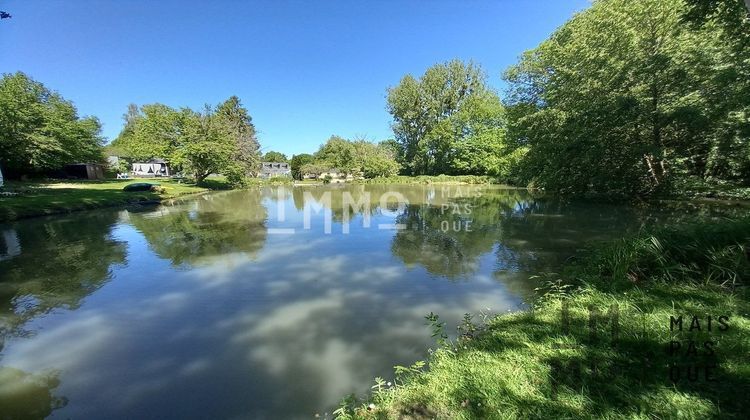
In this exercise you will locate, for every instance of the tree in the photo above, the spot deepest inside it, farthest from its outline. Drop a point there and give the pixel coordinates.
(374, 160)
(624, 96)
(729, 13)
(204, 146)
(218, 140)
(238, 125)
(481, 146)
(297, 162)
(338, 153)
(151, 131)
(395, 150)
(40, 130)
(275, 157)
(358, 158)
(444, 115)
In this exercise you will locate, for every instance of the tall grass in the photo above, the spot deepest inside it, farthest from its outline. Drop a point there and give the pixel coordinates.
(545, 363)
(704, 251)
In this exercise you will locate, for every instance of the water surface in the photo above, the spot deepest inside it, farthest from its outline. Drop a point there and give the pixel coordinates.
(227, 306)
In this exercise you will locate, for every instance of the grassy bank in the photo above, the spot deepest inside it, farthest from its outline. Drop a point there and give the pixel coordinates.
(600, 343)
(43, 198)
(694, 188)
(433, 179)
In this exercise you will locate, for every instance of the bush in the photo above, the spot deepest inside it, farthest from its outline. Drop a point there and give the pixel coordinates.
(716, 252)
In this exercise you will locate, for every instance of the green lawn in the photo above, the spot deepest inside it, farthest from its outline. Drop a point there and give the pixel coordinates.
(555, 363)
(51, 197)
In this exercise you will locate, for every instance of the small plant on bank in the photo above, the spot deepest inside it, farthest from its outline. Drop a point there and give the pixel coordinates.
(438, 329)
(467, 330)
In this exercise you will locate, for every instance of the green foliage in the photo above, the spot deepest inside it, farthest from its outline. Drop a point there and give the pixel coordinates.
(337, 153)
(728, 13)
(712, 252)
(551, 362)
(275, 157)
(203, 149)
(218, 140)
(40, 130)
(238, 130)
(297, 162)
(626, 96)
(438, 330)
(448, 122)
(314, 167)
(374, 160)
(151, 131)
(694, 187)
(359, 158)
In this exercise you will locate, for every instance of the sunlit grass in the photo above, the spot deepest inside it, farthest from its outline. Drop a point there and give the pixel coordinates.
(544, 364)
(51, 197)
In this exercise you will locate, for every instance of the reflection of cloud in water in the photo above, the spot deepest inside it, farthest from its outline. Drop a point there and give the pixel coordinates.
(239, 324)
(67, 347)
(328, 333)
(337, 336)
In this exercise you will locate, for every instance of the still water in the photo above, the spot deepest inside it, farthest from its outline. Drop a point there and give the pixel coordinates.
(248, 304)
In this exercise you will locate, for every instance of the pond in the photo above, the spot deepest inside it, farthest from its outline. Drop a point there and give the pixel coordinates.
(267, 303)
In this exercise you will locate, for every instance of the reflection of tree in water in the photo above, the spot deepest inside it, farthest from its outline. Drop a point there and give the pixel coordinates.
(430, 240)
(60, 262)
(544, 234)
(27, 396)
(413, 194)
(438, 237)
(54, 264)
(212, 225)
(528, 234)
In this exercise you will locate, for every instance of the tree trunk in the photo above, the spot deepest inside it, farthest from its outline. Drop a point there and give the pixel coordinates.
(652, 169)
(200, 176)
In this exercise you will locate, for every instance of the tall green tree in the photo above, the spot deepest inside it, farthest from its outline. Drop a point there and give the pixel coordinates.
(40, 130)
(150, 131)
(217, 140)
(337, 152)
(624, 96)
(238, 126)
(297, 162)
(440, 119)
(204, 147)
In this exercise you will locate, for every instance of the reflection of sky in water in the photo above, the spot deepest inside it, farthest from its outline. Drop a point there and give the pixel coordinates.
(229, 321)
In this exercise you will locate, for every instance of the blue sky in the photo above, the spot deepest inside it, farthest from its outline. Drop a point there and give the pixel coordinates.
(304, 69)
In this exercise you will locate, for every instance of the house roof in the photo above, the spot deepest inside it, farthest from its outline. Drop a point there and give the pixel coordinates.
(269, 167)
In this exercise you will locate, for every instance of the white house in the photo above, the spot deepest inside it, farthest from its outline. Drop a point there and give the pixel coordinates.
(274, 169)
(154, 167)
